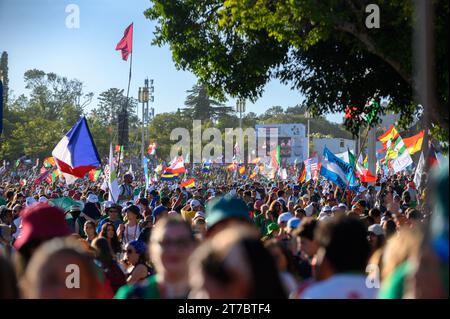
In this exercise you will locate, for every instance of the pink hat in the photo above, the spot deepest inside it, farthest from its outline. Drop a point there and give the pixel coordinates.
(41, 221)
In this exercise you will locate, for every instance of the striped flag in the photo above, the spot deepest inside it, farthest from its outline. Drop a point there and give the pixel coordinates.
(414, 143)
(113, 184)
(188, 183)
(390, 134)
(94, 174)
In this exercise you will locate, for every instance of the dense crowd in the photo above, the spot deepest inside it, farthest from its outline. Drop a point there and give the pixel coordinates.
(225, 238)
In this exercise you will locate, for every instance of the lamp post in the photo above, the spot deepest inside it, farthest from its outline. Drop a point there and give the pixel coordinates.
(308, 132)
(145, 95)
(240, 107)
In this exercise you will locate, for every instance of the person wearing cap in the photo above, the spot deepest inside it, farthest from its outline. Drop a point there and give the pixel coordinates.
(225, 212)
(126, 189)
(376, 237)
(199, 225)
(131, 230)
(114, 217)
(190, 209)
(282, 222)
(40, 222)
(161, 210)
(91, 207)
(292, 224)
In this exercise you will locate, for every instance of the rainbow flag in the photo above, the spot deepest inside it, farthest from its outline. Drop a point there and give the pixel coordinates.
(242, 170)
(94, 174)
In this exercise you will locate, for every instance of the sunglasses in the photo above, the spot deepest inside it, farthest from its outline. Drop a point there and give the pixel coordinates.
(180, 243)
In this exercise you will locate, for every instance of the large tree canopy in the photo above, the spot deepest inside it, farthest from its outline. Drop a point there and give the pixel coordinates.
(321, 48)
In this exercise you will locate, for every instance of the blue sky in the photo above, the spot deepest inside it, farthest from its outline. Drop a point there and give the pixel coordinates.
(34, 34)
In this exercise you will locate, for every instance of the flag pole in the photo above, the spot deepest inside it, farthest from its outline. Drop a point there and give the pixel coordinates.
(124, 110)
(356, 161)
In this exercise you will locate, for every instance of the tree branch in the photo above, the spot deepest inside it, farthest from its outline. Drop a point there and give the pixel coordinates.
(371, 47)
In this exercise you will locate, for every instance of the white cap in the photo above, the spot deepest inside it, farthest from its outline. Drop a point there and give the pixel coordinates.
(293, 222)
(29, 201)
(324, 217)
(326, 209)
(107, 204)
(92, 198)
(43, 199)
(199, 215)
(335, 208)
(309, 210)
(376, 229)
(194, 203)
(284, 217)
(343, 206)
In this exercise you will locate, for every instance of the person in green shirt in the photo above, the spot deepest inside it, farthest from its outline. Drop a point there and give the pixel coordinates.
(171, 244)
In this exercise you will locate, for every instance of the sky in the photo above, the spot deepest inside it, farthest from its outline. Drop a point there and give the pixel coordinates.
(35, 35)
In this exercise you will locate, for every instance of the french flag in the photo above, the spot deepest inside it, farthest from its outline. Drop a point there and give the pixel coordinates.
(76, 154)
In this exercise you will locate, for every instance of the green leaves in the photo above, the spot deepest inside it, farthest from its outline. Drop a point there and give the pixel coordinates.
(320, 48)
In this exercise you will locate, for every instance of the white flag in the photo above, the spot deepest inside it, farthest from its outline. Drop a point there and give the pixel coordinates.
(113, 185)
(419, 171)
(401, 162)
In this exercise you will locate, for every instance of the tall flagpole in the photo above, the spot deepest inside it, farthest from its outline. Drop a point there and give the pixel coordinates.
(124, 110)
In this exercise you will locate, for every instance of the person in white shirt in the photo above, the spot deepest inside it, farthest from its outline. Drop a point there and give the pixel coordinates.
(341, 261)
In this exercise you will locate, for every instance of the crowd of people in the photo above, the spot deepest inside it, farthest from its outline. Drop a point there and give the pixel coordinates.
(226, 239)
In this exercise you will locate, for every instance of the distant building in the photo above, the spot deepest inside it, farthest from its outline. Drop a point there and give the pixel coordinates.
(335, 145)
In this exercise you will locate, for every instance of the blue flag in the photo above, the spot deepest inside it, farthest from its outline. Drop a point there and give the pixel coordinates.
(337, 171)
(145, 163)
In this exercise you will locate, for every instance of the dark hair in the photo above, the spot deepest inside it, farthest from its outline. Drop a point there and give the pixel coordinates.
(374, 213)
(291, 268)
(306, 228)
(115, 244)
(345, 242)
(103, 251)
(165, 201)
(413, 214)
(280, 193)
(266, 282)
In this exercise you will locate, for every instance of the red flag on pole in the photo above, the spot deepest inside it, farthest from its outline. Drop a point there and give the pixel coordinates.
(125, 44)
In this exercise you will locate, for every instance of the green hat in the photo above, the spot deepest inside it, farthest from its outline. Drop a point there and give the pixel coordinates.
(221, 208)
(272, 227)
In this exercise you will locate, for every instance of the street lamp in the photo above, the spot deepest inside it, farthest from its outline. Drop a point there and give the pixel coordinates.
(145, 95)
(240, 107)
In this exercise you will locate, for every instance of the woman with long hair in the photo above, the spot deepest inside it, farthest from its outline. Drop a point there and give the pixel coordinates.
(89, 230)
(105, 258)
(109, 232)
(275, 210)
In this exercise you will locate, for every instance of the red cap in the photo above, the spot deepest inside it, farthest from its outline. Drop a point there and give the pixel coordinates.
(41, 221)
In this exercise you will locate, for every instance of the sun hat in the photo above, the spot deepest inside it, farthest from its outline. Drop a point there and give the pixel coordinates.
(309, 210)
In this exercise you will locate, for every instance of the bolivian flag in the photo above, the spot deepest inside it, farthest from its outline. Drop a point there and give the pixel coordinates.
(188, 183)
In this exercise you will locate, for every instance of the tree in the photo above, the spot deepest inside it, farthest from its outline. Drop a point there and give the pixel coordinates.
(112, 116)
(273, 112)
(323, 49)
(199, 106)
(35, 124)
(54, 97)
(4, 76)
